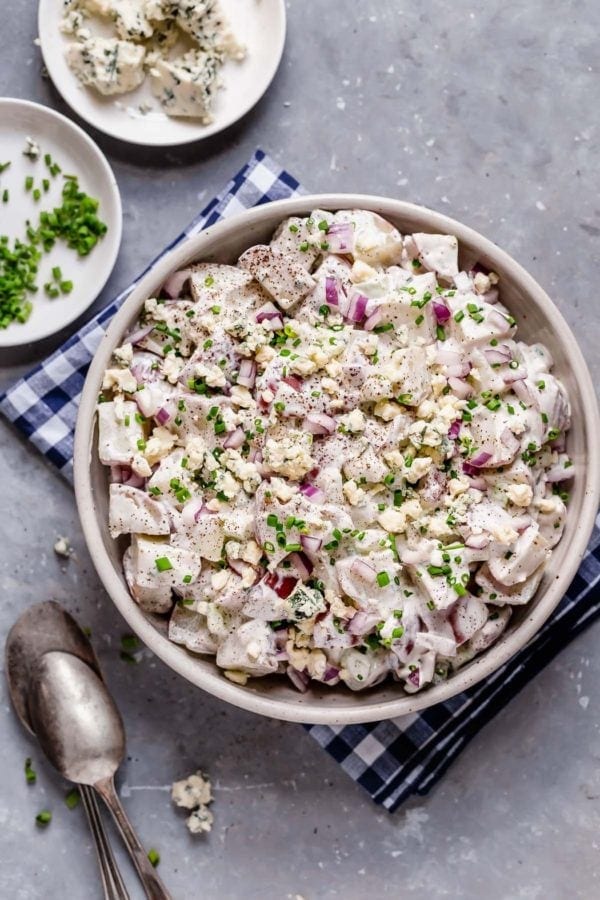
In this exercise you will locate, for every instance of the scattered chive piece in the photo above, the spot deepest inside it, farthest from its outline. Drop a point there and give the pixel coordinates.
(383, 579)
(45, 184)
(72, 798)
(28, 182)
(44, 817)
(66, 287)
(4, 166)
(30, 774)
(440, 333)
(36, 194)
(154, 856)
(56, 273)
(187, 579)
(163, 563)
(129, 642)
(209, 281)
(5, 195)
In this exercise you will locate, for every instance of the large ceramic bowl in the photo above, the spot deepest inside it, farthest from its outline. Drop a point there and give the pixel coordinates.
(539, 320)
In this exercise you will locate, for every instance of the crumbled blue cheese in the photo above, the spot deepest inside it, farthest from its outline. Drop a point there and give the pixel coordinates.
(129, 16)
(185, 86)
(107, 64)
(195, 793)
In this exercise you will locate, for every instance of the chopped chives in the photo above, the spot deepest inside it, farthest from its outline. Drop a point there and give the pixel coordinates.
(163, 563)
(72, 798)
(44, 817)
(383, 579)
(30, 774)
(154, 857)
(28, 182)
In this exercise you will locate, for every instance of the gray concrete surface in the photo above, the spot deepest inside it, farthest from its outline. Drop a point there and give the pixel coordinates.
(487, 111)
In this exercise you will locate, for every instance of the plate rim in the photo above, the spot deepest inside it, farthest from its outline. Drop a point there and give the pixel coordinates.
(177, 142)
(104, 166)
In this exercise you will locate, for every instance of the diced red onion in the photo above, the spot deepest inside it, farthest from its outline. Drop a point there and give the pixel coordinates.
(363, 622)
(269, 313)
(442, 313)
(476, 481)
(500, 354)
(556, 474)
(363, 570)
(454, 429)
(294, 381)
(414, 677)
(473, 465)
(139, 334)
(163, 415)
(283, 585)
(374, 319)
(310, 543)
(459, 370)
(192, 511)
(481, 458)
(521, 389)
(302, 564)
(331, 291)
(357, 308)
(116, 473)
(175, 283)
(331, 672)
(300, 680)
(319, 423)
(340, 237)
(235, 439)
(510, 441)
(461, 388)
(238, 566)
(132, 479)
(247, 374)
(314, 493)
(477, 541)
(492, 296)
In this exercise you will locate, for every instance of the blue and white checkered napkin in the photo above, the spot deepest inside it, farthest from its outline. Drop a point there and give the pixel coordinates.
(392, 759)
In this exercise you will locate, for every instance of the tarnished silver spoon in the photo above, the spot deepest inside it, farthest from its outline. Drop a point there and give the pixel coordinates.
(81, 732)
(43, 627)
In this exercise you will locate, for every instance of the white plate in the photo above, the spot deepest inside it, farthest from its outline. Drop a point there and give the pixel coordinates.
(76, 154)
(258, 24)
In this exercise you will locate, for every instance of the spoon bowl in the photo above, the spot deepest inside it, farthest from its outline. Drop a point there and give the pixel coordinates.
(75, 718)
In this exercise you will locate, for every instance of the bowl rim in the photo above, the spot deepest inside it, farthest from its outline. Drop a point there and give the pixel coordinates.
(319, 711)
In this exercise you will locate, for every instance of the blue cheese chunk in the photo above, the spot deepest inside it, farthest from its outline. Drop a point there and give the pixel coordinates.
(186, 86)
(129, 16)
(106, 64)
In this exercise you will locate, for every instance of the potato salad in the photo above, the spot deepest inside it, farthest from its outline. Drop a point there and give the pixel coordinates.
(334, 461)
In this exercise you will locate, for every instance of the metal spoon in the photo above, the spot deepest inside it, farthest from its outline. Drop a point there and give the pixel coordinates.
(41, 628)
(80, 730)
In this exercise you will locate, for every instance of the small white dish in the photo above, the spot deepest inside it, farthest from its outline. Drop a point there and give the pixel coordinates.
(258, 24)
(78, 155)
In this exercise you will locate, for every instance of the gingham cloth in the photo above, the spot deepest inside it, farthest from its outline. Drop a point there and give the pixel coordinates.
(391, 759)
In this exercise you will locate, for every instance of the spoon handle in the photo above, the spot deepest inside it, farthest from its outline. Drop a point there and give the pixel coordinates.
(112, 881)
(153, 886)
